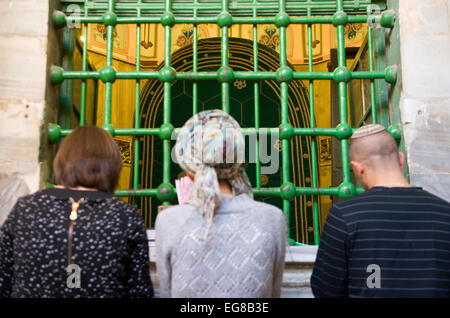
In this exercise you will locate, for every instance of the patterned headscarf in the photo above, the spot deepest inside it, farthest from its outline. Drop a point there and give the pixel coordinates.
(211, 146)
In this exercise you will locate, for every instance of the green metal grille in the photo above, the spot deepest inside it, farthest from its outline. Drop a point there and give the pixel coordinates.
(225, 13)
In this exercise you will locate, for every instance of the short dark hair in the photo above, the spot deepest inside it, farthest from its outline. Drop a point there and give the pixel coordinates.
(379, 149)
(88, 157)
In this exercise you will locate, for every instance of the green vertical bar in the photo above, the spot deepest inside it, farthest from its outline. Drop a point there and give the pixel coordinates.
(256, 92)
(343, 96)
(84, 69)
(372, 82)
(109, 56)
(194, 66)
(66, 86)
(224, 53)
(167, 101)
(284, 118)
(313, 138)
(137, 109)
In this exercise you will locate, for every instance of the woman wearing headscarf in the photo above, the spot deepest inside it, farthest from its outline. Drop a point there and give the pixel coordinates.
(221, 243)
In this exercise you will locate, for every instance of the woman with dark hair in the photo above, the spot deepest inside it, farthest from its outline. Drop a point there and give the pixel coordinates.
(221, 243)
(76, 239)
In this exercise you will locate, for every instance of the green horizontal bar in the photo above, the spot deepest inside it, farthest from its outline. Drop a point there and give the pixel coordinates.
(316, 191)
(313, 75)
(136, 193)
(255, 76)
(156, 131)
(80, 75)
(266, 192)
(369, 75)
(65, 132)
(197, 76)
(137, 75)
(245, 131)
(317, 131)
(124, 132)
(136, 131)
(259, 192)
(238, 7)
(213, 20)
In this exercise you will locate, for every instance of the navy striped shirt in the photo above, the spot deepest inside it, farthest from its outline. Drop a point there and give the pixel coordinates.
(386, 242)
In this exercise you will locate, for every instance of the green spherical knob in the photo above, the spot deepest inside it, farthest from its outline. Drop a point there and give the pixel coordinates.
(108, 74)
(346, 190)
(224, 20)
(58, 19)
(390, 74)
(342, 74)
(285, 74)
(109, 18)
(225, 74)
(388, 19)
(396, 132)
(168, 19)
(167, 74)
(340, 18)
(286, 131)
(110, 129)
(165, 131)
(282, 19)
(56, 75)
(165, 192)
(54, 133)
(287, 191)
(343, 131)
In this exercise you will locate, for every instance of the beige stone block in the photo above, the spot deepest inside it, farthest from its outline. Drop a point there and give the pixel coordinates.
(28, 18)
(23, 67)
(426, 66)
(426, 129)
(20, 124)
(424, 17)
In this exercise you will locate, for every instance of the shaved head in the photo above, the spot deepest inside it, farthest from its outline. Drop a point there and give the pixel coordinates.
(376, 151)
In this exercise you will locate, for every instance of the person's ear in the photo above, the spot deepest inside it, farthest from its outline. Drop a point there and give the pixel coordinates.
(401, 157)
(358, 168)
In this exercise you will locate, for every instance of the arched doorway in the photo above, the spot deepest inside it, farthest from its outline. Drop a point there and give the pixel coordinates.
(241, 108)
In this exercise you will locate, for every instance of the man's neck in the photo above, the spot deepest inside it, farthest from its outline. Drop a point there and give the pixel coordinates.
(389, 181)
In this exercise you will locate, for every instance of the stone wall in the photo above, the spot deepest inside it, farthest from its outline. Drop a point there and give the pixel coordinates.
(27, 47)
(425, 98)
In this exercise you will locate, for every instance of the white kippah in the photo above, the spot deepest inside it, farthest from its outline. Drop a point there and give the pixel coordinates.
(368, 130)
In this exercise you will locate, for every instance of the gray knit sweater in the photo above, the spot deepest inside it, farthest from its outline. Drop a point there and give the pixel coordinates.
(243, 255)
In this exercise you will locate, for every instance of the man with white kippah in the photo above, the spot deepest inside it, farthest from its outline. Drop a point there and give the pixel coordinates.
(391, 241)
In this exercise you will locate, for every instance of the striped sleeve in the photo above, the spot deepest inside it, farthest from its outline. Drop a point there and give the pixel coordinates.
(329, 278)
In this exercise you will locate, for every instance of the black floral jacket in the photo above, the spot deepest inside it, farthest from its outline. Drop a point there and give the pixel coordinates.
(108, 247)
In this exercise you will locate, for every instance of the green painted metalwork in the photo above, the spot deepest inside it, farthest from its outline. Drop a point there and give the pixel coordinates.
(226, 13)
(65, 92)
